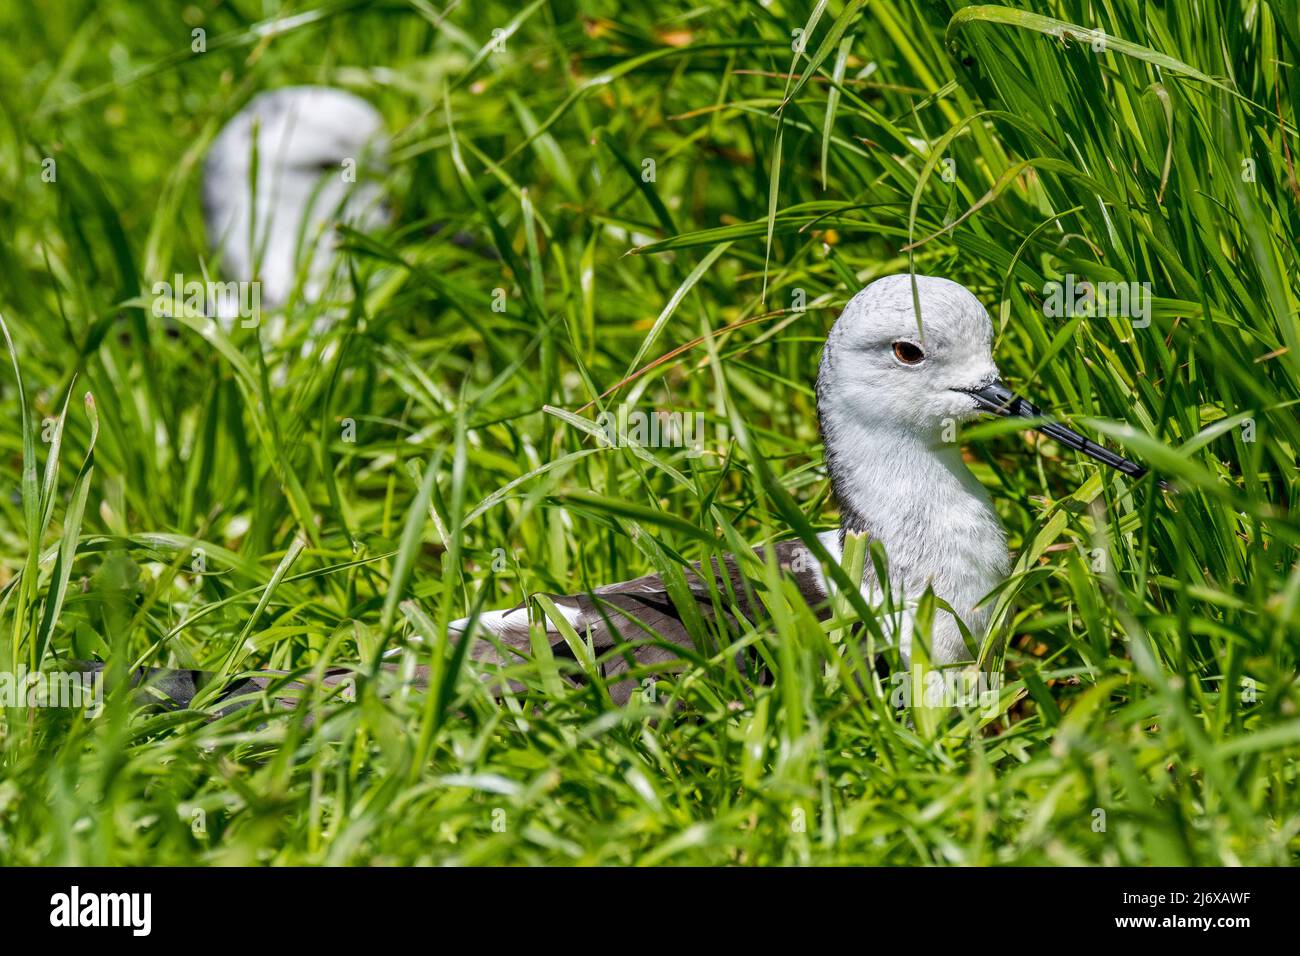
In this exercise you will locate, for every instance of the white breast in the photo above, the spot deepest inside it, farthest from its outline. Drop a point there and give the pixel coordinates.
(938, 529)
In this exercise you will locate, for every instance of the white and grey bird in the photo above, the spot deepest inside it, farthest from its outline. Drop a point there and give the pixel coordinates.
(887, 391)
(279, 176)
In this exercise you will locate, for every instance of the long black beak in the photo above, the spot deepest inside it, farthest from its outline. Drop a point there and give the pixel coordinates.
(1000, 400)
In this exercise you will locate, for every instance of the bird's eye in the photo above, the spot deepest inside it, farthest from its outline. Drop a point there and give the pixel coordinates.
(908, 353)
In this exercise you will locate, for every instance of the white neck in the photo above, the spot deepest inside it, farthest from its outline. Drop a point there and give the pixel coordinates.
(917, 498)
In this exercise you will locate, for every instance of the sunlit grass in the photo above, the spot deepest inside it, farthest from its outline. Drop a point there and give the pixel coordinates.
(1149, 707)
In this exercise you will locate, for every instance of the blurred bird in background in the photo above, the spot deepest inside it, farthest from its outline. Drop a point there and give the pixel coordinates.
(280, 175)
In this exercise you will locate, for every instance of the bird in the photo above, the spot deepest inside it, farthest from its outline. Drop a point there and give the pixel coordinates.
(319, 154)
(909, 357)
(890, 389)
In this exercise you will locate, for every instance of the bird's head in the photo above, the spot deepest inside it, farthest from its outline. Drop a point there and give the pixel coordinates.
(886, 371)
(317, 152)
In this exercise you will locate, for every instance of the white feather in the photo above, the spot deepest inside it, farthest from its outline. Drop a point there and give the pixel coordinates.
(318, 152)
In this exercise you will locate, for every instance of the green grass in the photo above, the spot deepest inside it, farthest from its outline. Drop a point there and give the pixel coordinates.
(1151, 639)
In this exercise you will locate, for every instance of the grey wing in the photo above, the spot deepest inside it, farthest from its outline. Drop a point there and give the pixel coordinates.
(638, 617)
(175, 688)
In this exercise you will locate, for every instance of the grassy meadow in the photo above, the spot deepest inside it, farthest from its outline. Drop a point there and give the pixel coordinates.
(674, 201)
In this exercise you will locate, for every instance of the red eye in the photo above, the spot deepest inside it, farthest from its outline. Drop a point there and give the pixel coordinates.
(907, 353)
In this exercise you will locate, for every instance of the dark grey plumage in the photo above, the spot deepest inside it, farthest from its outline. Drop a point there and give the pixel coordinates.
(640, 618)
